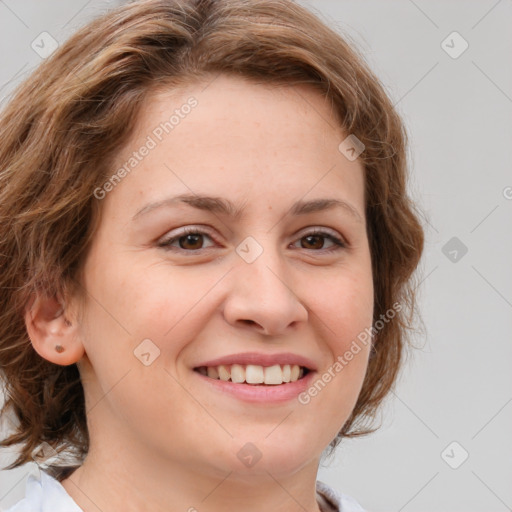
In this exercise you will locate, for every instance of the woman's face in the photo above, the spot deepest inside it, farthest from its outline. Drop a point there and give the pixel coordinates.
(236, 236)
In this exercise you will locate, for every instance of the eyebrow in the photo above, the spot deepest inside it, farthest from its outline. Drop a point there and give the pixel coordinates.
(225, 207)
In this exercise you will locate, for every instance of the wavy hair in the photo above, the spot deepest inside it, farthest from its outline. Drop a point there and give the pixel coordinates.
(62, 128)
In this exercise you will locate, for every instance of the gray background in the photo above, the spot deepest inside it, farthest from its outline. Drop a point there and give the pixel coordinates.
(457, 386)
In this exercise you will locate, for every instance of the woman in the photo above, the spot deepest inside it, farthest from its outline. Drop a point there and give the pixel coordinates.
(207, 250)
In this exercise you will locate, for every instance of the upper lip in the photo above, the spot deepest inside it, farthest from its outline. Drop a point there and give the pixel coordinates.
(260, 360)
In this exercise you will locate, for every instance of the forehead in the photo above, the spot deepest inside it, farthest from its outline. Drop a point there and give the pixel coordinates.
(227, 108)
(247, 139)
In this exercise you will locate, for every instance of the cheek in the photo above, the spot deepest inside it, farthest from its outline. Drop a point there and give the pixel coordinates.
(343, 314)
(139, 299)
(344, 302)
(155, 310)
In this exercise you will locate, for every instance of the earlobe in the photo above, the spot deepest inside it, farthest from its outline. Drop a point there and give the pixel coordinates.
(53, 335)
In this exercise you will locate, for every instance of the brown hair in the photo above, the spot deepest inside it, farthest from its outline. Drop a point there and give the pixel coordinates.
(64, 125)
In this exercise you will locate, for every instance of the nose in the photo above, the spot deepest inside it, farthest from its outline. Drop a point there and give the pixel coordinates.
(260, 299)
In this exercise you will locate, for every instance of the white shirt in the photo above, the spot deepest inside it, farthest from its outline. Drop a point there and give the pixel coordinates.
(43, 493)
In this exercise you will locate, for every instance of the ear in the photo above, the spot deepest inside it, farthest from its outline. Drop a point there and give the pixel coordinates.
(54, 336)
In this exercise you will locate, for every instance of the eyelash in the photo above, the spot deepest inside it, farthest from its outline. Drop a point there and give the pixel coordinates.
(189, 230)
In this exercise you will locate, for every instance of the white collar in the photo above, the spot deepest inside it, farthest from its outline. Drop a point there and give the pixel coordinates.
(43, 493)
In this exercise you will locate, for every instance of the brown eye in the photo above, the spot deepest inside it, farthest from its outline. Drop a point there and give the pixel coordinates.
(191, 241)
(312, 242)
(320, 241)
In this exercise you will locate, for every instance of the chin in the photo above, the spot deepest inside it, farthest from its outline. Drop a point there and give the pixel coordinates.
(279, 456)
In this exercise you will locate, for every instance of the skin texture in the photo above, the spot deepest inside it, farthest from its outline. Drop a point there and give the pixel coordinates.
(161, 439)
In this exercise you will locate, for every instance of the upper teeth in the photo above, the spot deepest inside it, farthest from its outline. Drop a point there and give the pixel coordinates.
(254, 374)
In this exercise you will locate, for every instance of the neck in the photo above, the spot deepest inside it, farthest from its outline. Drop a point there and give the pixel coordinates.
(132, 482)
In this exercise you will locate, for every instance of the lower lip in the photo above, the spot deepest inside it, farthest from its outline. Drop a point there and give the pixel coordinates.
(262, 393)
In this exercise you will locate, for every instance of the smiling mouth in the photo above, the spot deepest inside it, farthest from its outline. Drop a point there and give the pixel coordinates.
(254, 374)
